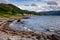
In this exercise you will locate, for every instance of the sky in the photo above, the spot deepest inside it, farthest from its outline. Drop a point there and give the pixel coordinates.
(35, 5)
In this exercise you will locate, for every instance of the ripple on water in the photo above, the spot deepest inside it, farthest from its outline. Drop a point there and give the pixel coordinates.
(38, 23)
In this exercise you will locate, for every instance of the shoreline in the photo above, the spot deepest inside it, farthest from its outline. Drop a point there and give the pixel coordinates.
(31, 35)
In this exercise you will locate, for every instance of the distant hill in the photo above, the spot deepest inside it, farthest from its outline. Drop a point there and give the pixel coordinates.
(51, 12)
(13, 10)
(9, 9)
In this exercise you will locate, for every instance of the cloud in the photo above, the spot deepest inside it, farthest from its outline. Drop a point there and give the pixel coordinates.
(4, 1)
(26, 5)
(58, 2)
(52, 3)
(35, 5)
(45, 5)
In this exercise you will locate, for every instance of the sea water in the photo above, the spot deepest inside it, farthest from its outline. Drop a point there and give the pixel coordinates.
(38, 24)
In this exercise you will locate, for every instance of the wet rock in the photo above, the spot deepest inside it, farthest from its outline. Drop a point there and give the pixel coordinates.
(38, 37)
(8, 39)
(42, 39)
(48, 37)
(54, 37)
(33, 39)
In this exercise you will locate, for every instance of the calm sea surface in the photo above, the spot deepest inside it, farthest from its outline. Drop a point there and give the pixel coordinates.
(38, 23)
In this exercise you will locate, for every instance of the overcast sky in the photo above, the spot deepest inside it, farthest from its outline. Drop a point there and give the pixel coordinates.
(35, 5)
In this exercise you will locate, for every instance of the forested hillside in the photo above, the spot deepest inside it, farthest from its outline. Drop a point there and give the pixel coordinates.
(12, 10)
(8, 10)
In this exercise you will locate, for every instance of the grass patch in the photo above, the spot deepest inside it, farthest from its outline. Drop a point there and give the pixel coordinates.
(9, 16)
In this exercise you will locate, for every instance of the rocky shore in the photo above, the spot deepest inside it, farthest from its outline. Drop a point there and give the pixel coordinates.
(9, 34)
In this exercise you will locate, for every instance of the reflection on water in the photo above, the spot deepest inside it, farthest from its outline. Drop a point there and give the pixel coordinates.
(38, 23)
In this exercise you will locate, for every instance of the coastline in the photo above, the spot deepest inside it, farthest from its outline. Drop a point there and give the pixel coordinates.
(6, 32)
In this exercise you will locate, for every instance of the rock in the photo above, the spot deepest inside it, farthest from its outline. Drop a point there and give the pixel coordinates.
(26, 17)
(8, 39)
(1, 39)
(38, 37)
(54, 37)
